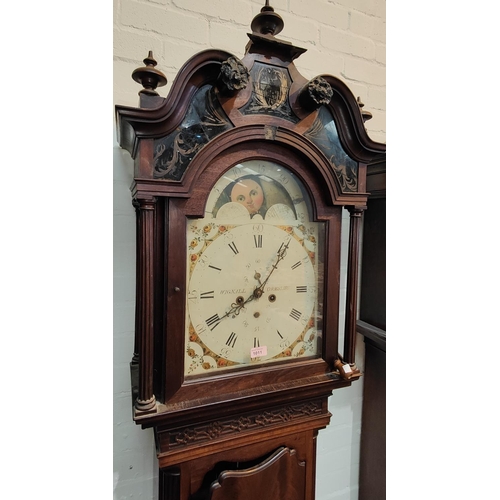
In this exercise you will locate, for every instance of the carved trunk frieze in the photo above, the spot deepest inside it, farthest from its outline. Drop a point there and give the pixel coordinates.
(208, 431)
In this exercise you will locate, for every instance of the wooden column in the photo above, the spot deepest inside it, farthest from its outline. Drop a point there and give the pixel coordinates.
(135, 356)
(146, 400)
(169, 484)
(352, 284)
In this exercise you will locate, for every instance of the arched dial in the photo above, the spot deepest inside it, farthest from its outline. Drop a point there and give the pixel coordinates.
(252, 288)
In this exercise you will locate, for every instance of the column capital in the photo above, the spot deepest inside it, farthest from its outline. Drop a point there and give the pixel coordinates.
(145, 202)
(356, 210)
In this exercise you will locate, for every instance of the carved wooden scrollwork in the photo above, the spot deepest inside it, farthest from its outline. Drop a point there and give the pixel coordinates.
(233, 75)
(196, 434)
(315, 93)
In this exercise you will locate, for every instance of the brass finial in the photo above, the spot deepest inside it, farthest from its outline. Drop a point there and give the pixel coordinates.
(149, 77)
(267, 22)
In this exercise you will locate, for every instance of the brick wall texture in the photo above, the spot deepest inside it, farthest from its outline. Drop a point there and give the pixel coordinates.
(344, 38)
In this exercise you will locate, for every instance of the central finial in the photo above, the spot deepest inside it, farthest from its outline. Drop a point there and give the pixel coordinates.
(267, 22)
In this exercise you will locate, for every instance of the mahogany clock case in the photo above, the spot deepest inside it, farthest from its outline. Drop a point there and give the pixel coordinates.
(221, 113)
(300, 137)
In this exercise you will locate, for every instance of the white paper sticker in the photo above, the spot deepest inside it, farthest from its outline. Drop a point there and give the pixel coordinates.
(347, 369)
(257, 352)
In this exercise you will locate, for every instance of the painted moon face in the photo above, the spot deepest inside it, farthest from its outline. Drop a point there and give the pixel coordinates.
(249, 193)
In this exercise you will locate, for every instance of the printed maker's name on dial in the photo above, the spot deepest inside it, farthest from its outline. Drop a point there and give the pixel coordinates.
(244, 290)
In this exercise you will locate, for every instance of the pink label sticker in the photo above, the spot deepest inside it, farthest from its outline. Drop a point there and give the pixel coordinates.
(257, 352)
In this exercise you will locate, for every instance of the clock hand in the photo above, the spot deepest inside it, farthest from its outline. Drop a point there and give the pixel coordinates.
(238, 305)
(281, 255)
(257, 277)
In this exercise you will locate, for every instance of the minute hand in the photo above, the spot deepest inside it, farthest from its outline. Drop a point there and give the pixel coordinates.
(281, 255)
(236, 307)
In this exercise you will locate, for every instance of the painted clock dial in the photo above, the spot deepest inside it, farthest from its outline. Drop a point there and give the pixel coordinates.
(254, 269)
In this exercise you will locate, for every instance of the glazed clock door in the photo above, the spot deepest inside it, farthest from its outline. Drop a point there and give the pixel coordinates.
(253, 273)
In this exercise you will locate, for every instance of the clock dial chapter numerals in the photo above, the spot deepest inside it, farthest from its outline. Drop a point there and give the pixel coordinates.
(231, 341)
(233, 248)
(257, 239)
(213, 321)
(254, 292)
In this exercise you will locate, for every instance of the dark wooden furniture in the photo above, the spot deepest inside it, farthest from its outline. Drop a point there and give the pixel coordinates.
(372, 325)
(221, 431)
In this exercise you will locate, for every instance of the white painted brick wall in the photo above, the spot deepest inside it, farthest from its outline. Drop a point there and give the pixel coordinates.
(344, 38)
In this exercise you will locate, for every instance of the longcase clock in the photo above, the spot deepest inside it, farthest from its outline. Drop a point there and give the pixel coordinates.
(240, 178)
